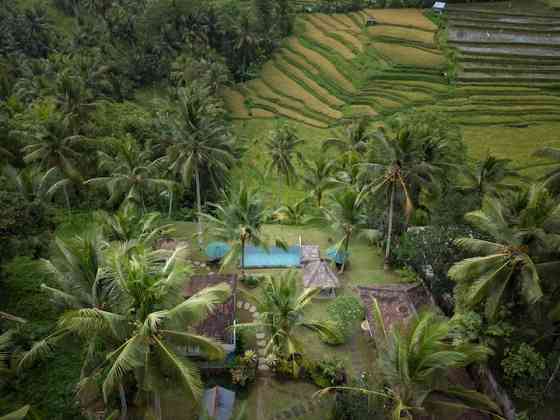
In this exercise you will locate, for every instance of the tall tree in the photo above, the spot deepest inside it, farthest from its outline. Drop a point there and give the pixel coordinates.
(35, 184)
(131, 173)
(138, 335)
(509, 265)
(282, 149)
(282, 313)
(351, 141)
(416, 361)
(318, 177)
(344, 213)
(239, 219)
(53, 145)
(397, 166)
(552, 177)
(200, 142)
(490, 176)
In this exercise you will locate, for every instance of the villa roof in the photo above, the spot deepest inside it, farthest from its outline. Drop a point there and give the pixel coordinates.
(216, 325)
(318, 273)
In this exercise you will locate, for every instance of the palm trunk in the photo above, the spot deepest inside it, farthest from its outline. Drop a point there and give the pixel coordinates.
(124, 406)
(345, 256)
(552, 377)
(242, 255)
(389, 229)
(157, 406)
(170, 203)
(198, 207)
(67, 198)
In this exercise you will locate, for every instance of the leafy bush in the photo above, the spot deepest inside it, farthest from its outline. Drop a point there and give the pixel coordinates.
(326, 372)
(351, 405)
(430, 252)
(525, 372)
(470, 327)
(346, 312)
(251, 281)
(48, 387)
(244, 370)
(24, 226)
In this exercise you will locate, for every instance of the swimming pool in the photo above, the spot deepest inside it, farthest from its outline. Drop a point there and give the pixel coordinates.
(274, 257)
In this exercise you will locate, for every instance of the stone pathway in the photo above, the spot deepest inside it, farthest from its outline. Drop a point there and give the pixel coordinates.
(300, 411)
(260, 335)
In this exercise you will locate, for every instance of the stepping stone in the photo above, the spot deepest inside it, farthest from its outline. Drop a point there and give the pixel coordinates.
(261, 343)
(297, 411)
(252, 309)
(260, 336)
(239, 304)
(203, 265)
(264, 368)
(247, 305)
(262, 352)
(211, 273)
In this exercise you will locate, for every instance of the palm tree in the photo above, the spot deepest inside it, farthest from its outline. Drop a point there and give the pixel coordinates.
(76, 270)
(396, 165)
(415, 362)
(292, 214)
(247, 42)
(282, 144)
(132, 173)
(490, 176)
(282, 314)
(510, 264)
(351, 141)
(345, 214)
(138, 335)
(55, 146)
(240, 220)
(34, 184)
(201, 143)
(127, 225)
(552, 177)
(318, 177)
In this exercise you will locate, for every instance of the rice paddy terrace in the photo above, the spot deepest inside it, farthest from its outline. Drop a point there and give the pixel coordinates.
(495, 66)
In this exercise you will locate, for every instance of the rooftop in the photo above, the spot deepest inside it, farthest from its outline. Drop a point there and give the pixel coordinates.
(218, 324)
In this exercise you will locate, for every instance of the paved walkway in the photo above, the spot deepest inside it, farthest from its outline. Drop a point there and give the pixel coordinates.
(260, 335)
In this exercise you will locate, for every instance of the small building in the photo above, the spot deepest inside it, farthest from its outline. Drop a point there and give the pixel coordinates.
(371, 21)
(319, 274)
(218, 325)
(218, 403)
(439, 7)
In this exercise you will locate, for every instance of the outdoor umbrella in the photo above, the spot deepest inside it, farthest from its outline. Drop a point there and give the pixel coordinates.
(217, 250)
(337, 255)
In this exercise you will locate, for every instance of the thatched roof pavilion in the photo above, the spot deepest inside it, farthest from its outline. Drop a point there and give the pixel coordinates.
(319, 273)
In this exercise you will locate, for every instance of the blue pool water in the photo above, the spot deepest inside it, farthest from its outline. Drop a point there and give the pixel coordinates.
(256, 257)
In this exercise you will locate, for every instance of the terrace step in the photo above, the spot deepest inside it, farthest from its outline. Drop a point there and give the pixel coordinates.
(466, 23)
(507, 51)
(546, 61)
(488, 36)
(512, 69)
(505, 77)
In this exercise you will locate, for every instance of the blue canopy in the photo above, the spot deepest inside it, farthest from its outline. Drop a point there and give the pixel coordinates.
(217, 250)
(219, 403)
(338, 256)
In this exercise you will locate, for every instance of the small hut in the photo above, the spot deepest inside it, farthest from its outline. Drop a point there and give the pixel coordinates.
(439, 7)
(319, 274)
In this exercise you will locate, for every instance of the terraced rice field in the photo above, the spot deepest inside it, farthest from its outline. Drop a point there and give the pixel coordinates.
(505, 74)
(335, 68)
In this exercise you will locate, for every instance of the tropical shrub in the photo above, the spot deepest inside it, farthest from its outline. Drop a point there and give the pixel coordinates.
(325, 372)
(244, 370)
(525, 372)
(346, 312)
